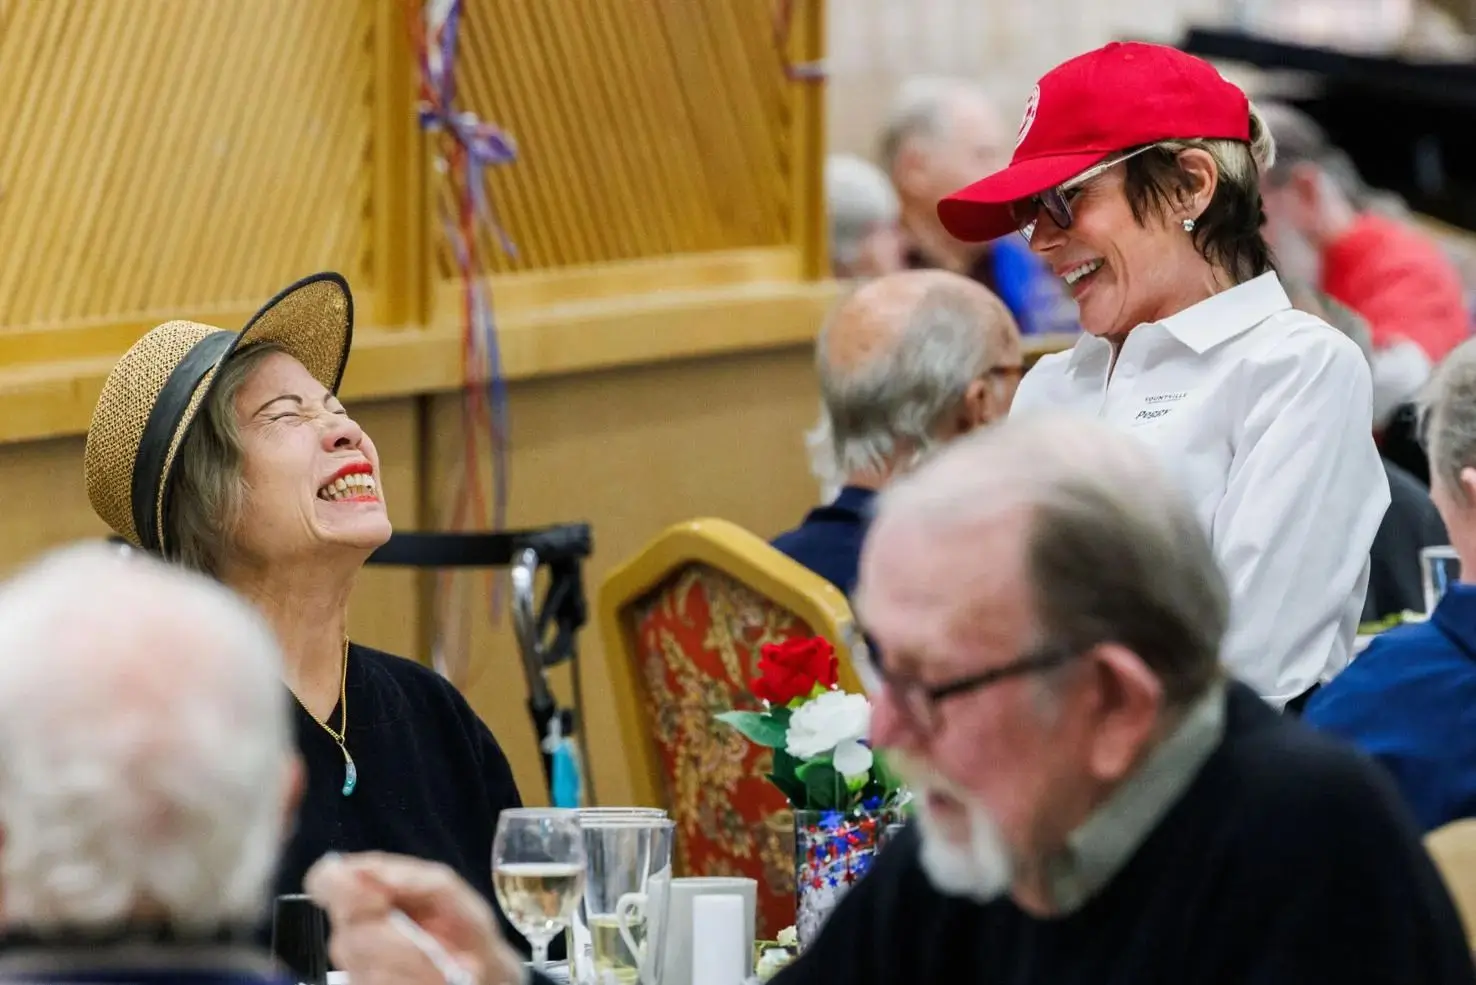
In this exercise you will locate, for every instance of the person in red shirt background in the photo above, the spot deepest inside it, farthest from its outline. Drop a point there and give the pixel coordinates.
(1322, 230)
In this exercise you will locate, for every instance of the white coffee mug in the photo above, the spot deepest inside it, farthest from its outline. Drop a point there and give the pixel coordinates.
(676, 952)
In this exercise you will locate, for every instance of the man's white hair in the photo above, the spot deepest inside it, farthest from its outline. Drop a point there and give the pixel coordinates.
(145, 746)
(919, 111)
(884, 414)
(859, 198)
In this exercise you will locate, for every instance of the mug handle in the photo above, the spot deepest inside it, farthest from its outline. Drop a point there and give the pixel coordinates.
(629, 905)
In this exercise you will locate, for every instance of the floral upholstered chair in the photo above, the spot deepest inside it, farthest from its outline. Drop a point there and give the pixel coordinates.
(682, 624)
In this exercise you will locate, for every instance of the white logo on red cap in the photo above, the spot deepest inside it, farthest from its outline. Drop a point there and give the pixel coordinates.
(1031, 106)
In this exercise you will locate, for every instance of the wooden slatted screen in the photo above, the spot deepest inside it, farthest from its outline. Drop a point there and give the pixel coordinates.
(170, 155)
(645, 127)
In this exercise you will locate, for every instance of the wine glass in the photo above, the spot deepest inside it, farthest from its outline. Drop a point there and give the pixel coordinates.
(538, 872)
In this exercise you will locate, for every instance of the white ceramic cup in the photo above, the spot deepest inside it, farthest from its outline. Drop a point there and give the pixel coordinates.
(676, 955)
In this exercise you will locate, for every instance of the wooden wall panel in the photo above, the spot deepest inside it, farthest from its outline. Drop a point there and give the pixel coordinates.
(173, 155)
(188, 158)
(645, 127)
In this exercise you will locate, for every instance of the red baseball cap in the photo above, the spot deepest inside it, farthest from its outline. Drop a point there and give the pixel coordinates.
(1124, 95)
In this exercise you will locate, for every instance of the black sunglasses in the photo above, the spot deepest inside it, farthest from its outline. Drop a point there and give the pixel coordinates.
(1056, 202)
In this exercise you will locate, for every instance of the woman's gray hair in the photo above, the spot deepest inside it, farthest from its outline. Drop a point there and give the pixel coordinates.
(885, 413)
(208, 488)
(1448, 419)
(859, 198)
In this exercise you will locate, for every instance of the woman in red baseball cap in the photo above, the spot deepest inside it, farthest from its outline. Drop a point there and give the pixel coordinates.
(1135, 177)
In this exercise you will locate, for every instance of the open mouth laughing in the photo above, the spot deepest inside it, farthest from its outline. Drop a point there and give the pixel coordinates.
(351, 484)
(1075, 275)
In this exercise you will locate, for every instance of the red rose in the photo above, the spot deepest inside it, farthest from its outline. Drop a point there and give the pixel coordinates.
(791, 669)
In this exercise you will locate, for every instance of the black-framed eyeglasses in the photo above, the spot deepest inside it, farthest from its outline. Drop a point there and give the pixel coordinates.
(1056, 202)
(919, 701)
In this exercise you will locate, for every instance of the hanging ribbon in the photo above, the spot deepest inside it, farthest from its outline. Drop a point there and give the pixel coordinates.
(783, 28)
(471, 146)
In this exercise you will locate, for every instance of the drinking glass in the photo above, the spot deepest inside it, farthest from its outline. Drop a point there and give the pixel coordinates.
(300, 938)
(538, 872)
(618, 929)
(1439, 569)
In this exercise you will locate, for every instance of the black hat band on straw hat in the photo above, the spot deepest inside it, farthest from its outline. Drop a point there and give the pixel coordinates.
(159, 430)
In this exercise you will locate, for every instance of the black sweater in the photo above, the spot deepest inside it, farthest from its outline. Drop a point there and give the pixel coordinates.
(432, 779)
(1289, 861)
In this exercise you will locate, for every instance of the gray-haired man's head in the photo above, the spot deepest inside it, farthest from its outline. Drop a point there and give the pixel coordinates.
(1051, 562)
(940, 135)
(864, 237)
(1448, 422)
(147, 770)
(907, 363)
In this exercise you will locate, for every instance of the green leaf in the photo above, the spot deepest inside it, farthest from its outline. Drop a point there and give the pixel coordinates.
(825, 788)
(786, 766)
(883, 774)
(782, 716)
(759, 727)
(792, 789)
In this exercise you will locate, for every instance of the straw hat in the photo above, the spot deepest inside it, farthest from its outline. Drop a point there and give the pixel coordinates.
(151, 398)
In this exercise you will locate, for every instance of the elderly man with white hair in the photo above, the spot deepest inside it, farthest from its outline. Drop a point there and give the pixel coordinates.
(1097, 804)
(940, 135)
(1096, 801)
(864, 239)
(906, 363)
(147, 773)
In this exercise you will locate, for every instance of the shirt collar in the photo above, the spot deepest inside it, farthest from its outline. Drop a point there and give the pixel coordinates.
(855, 499)
(1098, 849)
(1216, 319)
(1455, 616)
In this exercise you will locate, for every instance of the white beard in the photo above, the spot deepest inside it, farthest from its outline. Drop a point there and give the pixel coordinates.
(981, 870)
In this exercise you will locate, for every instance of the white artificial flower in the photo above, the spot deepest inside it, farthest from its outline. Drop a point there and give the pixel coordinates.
(788, 937)
(852, 759)
(819, 726)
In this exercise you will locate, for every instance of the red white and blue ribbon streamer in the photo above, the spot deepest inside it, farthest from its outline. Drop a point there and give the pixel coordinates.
(470, 146)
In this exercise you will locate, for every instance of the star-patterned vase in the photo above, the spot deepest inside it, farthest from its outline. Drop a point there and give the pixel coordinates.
(832, 850)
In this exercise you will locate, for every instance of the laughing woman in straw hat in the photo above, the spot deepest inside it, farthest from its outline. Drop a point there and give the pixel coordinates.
(1135, 177)
(229, 452)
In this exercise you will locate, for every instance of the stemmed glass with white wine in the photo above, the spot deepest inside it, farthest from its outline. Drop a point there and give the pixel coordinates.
(538, 872)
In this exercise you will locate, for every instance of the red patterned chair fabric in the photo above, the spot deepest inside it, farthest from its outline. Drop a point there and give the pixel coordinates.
(698, 638)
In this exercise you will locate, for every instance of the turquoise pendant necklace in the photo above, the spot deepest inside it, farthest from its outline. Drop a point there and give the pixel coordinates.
(350, 771)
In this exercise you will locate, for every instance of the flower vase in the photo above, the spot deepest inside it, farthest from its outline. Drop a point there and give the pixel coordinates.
(832, 849)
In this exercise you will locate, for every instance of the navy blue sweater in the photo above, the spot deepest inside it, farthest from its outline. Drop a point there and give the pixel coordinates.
(1409, 700)
(1289, 861)
(432, 779)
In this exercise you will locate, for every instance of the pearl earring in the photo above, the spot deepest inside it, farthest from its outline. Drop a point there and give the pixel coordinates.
(1188, 225)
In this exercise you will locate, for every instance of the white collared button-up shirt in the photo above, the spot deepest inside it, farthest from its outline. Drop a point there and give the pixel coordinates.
(1264, 415)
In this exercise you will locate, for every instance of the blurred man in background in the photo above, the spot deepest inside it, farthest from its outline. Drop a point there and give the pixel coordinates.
(1320, 226)
(147, 773)
(940, 135)
(862, 206)
(906, 364)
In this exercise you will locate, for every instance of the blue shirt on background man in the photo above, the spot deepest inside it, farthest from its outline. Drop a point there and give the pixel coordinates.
(1023, 281)
(828, 541)
(1409, 700)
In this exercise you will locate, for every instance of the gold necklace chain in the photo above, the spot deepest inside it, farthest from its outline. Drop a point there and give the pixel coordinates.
(350, 771)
